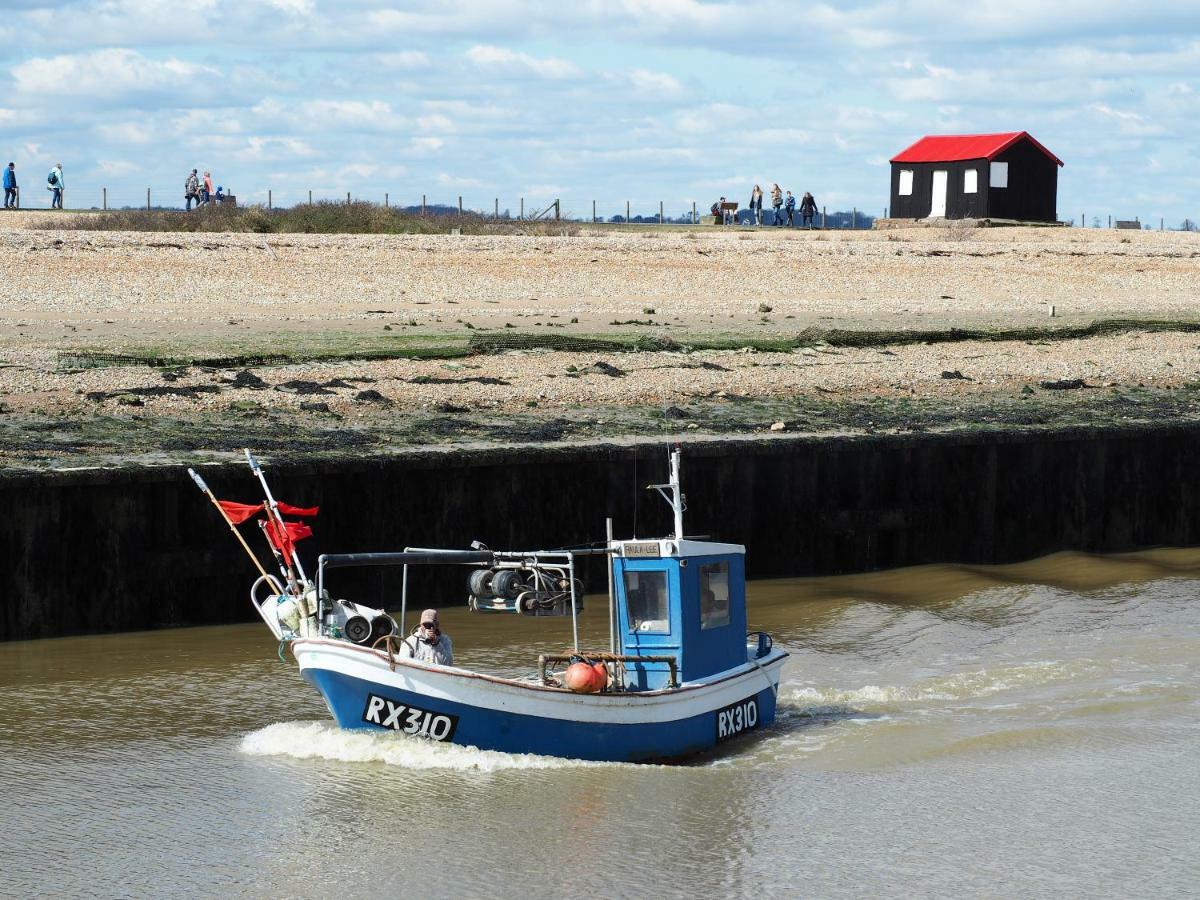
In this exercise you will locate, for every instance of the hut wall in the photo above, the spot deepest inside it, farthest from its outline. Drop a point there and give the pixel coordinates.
(959, 205)
(1032, 192)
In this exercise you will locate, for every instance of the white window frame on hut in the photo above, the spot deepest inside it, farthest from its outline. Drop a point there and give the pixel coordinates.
(906, 181)
(998, 177)
(970, 181)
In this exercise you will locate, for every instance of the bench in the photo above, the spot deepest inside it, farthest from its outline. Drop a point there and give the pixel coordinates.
(728, 211)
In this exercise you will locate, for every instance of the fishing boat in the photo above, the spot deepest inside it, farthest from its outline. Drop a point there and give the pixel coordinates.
(680, 676)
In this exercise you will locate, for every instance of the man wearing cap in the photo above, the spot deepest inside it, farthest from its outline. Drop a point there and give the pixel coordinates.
(427, 643)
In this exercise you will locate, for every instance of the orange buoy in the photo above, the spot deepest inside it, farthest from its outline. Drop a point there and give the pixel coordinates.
(581, 678)
(601, 671)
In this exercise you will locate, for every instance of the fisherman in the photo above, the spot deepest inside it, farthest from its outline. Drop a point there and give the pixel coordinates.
(427, 643)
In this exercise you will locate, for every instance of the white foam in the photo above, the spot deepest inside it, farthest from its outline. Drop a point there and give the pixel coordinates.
(324, 740)
(945, 688)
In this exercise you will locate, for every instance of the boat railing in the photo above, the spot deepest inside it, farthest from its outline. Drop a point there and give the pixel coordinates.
(272, 621)
(546, 659)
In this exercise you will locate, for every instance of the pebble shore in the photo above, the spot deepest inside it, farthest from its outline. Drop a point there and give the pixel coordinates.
(126, 292)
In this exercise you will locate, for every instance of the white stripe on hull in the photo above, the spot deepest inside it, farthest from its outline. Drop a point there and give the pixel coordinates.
(524, 698)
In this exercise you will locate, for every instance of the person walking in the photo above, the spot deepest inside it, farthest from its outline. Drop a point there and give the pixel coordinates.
(756, 196)
(10, 187)
(790, 206)
(55, 184)
(191, 189)
(808, 209)
(206, 188)
(776, 204)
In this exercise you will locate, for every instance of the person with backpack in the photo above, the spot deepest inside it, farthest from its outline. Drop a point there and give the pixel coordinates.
(808, 209)
(56, 185)
(790, 206)
(777, 203)
(11, 197)
(191, 190)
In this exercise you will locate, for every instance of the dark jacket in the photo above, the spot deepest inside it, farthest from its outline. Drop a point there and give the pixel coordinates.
(808, 206)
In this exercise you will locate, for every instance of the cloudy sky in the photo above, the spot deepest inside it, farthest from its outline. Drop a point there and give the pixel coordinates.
(677, 100)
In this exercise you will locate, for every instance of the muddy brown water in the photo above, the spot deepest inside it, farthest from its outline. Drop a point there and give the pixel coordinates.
(946, 731)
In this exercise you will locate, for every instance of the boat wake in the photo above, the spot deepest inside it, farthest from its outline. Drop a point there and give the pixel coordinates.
(324, 740)
(956, 687)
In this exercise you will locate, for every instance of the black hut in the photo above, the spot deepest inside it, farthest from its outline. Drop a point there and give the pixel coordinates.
(976, 176)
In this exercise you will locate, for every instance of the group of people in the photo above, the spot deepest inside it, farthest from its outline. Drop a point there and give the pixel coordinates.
(784, 206)
(201, 190)
(55, 184)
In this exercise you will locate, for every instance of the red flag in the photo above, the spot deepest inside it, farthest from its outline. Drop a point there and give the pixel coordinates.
(288, 510)
(239, 512)
(284, 541)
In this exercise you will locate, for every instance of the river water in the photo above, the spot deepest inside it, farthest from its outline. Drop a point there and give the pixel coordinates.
(944, 731)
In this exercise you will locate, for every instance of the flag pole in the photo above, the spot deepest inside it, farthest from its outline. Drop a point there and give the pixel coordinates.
(273, 510)
(237, 534)
(284, 568)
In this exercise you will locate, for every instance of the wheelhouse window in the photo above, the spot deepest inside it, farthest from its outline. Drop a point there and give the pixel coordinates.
(906, 176)
(999, 175)
(970, 181)
(714, 595)
(646, 602)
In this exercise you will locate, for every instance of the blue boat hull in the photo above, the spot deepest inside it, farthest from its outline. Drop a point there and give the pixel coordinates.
(360, 703)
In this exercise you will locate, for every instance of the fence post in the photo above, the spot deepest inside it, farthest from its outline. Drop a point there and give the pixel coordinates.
(660, 212)
(1110, 220)
(422, 204)
(626, 212)
(347, 198)
(822, 218)
(497, 216)
(310, 198)
(853, 218)
(147, 199)
(270, 202)
(557, 211)
(387, 204)
(460, 204)
(1160, 224)
(105, 202)
(593, 212)
(522, 216)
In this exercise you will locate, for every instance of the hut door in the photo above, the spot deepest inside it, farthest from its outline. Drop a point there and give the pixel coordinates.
(938, 207)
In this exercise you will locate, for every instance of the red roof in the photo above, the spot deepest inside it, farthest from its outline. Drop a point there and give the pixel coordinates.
(955, 147)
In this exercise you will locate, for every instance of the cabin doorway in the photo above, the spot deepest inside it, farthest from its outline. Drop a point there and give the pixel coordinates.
(938, 206)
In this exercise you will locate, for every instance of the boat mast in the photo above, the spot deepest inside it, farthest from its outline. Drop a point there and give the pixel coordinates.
(672, 494)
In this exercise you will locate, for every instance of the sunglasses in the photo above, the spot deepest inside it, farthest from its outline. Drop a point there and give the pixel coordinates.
(430, 625)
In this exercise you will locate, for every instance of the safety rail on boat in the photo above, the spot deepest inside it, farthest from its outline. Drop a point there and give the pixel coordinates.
(557, 560)
(273, 583)
(545, 659)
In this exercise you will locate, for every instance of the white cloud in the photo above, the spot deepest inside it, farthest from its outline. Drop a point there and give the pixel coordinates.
(109, 74)
(659, 84)
(504, 61)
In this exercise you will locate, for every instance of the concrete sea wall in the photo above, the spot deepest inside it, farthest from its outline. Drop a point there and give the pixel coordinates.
(97, 551)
